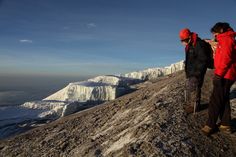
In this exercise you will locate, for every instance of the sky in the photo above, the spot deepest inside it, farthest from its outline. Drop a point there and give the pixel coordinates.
(82, 38)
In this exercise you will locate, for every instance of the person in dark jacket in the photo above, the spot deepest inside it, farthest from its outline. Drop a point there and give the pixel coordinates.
(196, 51)
(224, 77)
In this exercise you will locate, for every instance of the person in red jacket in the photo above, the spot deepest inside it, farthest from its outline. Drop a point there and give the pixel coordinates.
(224, 78)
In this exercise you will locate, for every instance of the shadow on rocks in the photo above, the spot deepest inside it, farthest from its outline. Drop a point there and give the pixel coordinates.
(233, 125)
(233, 94)
(203, 106)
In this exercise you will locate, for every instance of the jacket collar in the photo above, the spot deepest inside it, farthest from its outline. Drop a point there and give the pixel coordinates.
(193, 41)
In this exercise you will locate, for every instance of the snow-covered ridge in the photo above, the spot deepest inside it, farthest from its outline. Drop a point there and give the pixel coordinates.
(93, 91)
(153, 73)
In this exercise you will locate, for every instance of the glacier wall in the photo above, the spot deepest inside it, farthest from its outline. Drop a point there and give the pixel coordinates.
(153, 73)
(80, 95)
(101, 88)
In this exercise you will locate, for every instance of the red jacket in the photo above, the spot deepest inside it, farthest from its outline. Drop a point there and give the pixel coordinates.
(225, 57)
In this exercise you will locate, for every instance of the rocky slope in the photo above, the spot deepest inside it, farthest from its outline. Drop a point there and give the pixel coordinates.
(148, 122)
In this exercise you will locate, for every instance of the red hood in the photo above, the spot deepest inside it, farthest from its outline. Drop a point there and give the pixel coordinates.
(229, 33)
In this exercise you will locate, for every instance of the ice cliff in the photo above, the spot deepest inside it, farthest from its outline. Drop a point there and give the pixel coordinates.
(79, 95)
(101, 88)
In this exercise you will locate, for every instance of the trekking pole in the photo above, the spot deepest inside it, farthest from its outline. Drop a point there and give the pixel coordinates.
(194, 107)
(195, 100)
(185, 92)
(185, 96)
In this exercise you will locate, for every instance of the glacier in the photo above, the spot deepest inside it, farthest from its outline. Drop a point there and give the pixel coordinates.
(80, 95)
(153, 73)
(101, 88)
(55, 109)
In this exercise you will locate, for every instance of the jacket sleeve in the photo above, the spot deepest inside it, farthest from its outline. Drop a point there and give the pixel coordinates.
(226, 57)
(185, 65)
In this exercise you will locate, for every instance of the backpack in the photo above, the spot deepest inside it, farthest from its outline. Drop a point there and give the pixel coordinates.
(211, 52)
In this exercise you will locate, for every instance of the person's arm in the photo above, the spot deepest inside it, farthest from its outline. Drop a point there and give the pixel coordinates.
(226, 58)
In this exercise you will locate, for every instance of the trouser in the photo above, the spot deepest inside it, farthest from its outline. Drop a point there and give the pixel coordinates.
(219, 105)
(193, 89)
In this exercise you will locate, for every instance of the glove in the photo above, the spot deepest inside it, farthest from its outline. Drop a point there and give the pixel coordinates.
(217, 77)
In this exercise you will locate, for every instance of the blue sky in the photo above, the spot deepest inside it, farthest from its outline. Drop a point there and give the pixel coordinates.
(94, 37)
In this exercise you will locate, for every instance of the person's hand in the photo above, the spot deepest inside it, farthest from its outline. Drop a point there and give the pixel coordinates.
(217, 77)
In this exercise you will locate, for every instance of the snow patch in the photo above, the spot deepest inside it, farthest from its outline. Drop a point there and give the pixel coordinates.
(119, 144)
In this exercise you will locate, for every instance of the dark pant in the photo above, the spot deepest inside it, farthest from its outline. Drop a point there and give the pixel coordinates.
(219, 105)
(194, 85)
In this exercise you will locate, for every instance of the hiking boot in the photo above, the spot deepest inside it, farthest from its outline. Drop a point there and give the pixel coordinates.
(207, 130)
(225, 129)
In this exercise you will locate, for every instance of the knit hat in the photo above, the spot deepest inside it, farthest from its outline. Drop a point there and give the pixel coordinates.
(184, 34)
